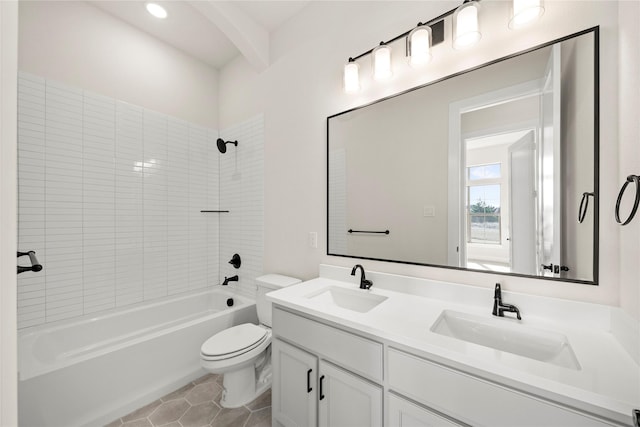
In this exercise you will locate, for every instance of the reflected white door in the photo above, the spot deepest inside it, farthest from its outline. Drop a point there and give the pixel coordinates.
(522, 197)
(549, 222)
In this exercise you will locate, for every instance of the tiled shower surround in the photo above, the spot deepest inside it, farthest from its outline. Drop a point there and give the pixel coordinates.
(110, 197)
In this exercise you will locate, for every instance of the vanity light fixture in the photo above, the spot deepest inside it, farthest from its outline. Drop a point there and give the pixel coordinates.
(419, 45)
(351, 77)
(524, 12)
(156, 10)
(382, 62)
(466, 26)
(420, 40)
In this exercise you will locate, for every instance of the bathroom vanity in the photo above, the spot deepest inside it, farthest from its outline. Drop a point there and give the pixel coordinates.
(415, 352)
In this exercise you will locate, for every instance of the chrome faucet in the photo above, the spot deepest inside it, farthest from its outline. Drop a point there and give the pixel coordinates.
(364, 283)
(499, 307)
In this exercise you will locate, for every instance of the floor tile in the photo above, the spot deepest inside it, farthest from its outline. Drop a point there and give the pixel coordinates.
(200, 415)
(261, 418)
(261, 401)
(196, 405)
(231, 417)
(169, 411)
(142, 412)
(203, 393)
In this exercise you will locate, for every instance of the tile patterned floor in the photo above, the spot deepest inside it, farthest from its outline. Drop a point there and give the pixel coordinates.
(198, 405)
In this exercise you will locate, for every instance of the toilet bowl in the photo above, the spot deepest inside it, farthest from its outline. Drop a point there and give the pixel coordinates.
(242, 353)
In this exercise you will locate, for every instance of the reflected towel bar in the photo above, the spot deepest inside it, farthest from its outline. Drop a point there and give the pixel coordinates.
(214, 211)
(370, 232)
(584, 205)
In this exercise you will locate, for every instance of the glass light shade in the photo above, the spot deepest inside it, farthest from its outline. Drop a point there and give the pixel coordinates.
(382, 63)
(466, 28)
(524, 12)
(419, 43)
(156, 10)
(351, 77)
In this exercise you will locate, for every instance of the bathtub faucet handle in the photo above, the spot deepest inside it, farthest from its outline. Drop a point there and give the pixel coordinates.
(229, 279)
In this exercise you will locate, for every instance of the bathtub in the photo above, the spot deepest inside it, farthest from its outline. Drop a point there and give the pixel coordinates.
(94, 369)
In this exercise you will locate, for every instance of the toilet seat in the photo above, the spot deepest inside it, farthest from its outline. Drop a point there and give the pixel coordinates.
(234, 342)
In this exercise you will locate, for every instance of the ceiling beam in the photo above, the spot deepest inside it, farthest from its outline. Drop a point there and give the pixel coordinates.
(251, 39)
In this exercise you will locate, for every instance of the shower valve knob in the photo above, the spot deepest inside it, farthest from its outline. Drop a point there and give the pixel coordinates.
(235, 261)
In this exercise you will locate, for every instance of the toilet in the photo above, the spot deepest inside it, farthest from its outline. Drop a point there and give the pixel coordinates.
(242, 353)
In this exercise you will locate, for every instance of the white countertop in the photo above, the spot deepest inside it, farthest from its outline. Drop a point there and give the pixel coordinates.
(608, 383)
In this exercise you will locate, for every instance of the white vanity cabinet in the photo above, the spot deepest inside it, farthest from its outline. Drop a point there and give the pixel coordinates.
(475, 401)
(309, 390)
(326, 376)
(403, 413)
(294, 391)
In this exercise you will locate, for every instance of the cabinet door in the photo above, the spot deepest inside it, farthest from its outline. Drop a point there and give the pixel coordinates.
(403, 413)
(346, 400)
(294, 385)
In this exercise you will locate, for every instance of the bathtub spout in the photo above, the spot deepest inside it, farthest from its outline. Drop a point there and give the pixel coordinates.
(230, 279)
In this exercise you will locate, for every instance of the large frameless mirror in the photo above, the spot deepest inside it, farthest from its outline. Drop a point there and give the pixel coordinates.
(494, 169)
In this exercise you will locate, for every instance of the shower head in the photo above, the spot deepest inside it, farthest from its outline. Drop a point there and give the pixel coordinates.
(222, 145)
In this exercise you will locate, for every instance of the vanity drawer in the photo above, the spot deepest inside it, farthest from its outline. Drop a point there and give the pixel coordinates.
(350, 351)
(472, 400)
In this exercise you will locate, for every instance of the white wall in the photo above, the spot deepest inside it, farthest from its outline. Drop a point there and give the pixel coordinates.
(78, 44)
(303, 86)
(8, 206)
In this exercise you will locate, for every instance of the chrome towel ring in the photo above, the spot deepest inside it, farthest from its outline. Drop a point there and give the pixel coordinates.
(584, 205)
(636, 202)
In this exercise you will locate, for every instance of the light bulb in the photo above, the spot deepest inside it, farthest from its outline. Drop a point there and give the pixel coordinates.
(351, 77)
(466, 30)
(419, 41)
(524, 12)
(382, 62)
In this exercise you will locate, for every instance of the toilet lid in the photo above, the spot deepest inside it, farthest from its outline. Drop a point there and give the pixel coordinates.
(234, 340)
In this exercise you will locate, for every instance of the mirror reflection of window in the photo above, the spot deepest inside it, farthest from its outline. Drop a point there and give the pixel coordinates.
(483, 201)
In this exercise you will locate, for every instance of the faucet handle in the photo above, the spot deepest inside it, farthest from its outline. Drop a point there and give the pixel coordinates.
(366, 284)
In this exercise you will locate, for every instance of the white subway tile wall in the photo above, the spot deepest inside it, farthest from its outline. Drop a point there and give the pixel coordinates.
(242, 193)
(110, 197)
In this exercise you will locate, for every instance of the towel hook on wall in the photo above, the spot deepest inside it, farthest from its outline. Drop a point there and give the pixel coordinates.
(635, 179)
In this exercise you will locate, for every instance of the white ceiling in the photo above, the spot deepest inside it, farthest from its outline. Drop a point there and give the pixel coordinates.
(188, 30)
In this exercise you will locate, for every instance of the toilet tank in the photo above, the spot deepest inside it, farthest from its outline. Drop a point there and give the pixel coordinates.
(266, 284)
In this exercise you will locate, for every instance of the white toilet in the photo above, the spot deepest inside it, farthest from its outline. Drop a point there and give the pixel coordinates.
(242, 353)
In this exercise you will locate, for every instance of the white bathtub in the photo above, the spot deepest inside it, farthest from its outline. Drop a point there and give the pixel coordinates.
(91, 370)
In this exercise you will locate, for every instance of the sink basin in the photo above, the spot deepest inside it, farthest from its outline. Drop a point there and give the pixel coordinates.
(358, 300)
(504, 335)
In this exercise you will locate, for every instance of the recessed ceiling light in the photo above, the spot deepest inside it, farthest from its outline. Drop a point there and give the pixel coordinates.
(156, 10)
